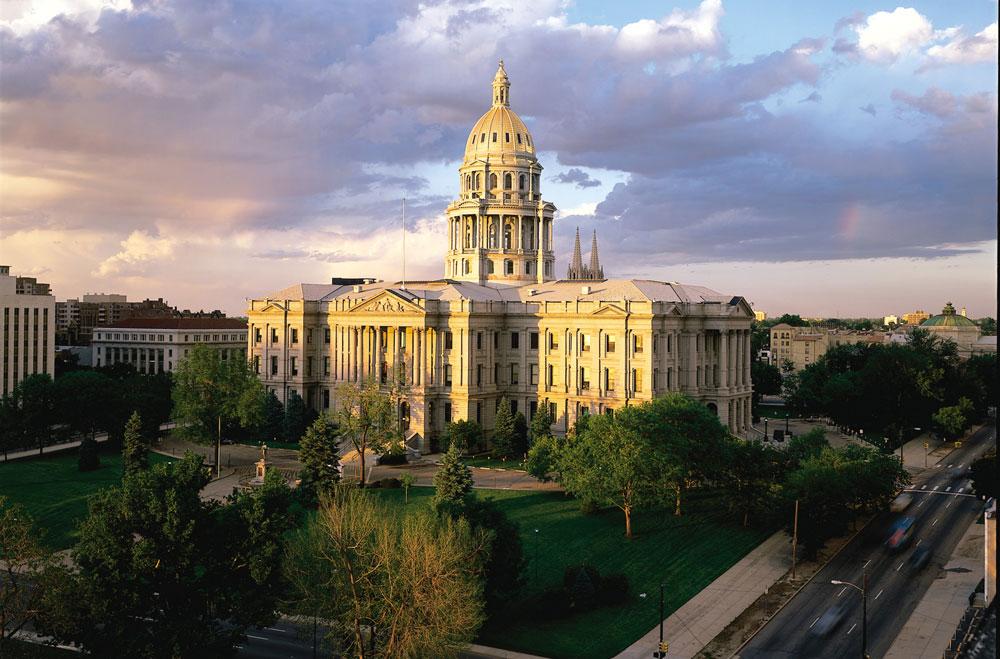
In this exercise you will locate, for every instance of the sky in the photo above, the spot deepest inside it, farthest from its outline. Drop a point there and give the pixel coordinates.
(820, 158)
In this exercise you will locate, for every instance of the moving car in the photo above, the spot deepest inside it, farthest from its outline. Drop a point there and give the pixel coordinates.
(830, 619)
(901, 503)
(900, 534)
(920, 557)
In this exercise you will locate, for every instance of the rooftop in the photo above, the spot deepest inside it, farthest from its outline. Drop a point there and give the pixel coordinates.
(181, 323)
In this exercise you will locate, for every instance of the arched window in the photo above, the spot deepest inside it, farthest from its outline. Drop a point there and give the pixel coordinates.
(493, 181)
(465, 265)
(475, 181)
(507, 181)
(508, 267)
(468, 182)
(507, 231)
(521, 180)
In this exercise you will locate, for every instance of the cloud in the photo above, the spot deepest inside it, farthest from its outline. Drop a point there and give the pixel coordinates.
(136, 252)
(943, 104)
(813, 97)
(982, 47)
(869, 109)
(678, 33)
(577, 176)
(886, 36)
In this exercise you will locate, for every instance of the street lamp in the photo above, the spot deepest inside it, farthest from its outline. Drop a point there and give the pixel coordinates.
(863, 589)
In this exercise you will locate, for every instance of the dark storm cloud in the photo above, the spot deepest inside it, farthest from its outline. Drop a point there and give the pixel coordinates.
(577, 176)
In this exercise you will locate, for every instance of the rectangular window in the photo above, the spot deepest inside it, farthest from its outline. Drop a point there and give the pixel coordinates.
(513, 407)
(496, 340)
(479, 412)
(609, 343)
(326, 399)
(479, 375)
(274, 365)
(479, 340)
(326, 366)
(515, 340)
(447, 340)
(514, 373)
(293, 366)
(326, 336)
(496, 373)
(584, 378)
(610, 377)
(584, 343)
(256, 364)
(533, 374)
(549, 374)
(295, 335)
(636, 344)
(553, 341)
(637, 380)
(309, 336)
(447, 412)
(309, 366)
(447, 375)
(274, 335)
(533, 341)
(494, 137)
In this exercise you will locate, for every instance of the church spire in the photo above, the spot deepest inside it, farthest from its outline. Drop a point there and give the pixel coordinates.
(576, 265)
(501, 88)
(595, 264)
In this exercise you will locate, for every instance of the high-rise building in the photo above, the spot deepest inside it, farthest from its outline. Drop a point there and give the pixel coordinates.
(27, 336)
(499, 325)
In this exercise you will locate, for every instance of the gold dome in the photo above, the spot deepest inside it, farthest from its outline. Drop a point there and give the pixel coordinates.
(499, 132)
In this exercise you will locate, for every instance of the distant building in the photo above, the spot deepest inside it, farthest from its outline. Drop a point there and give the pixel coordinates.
(760, 316)
(890, 320)
(804, 345)
(27, 342)
(77, 318)
(580, 272)
(154, 345)
(955, 327)
(915, 317)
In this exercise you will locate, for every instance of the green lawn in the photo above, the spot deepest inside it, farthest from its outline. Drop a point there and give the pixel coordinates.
(686, 553)
(55, 492)
(486, 461)
(24, 650)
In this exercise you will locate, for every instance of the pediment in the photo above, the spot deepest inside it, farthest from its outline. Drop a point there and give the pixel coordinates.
(609, 310)
(387, 302)
(271, 306)
(743, 306)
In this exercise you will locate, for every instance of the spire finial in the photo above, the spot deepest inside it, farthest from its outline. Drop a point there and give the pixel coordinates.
(501, 87)
(595, 263)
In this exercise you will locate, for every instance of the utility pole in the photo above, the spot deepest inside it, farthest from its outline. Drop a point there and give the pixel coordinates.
(661, 648)
(795, 535)
(218, 450)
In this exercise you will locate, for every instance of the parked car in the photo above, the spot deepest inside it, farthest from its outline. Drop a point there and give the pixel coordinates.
(920, 557)
(830, 619)
(900, 534)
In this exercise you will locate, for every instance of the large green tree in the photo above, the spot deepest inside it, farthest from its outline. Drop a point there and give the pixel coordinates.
(209, 391)
(24, 561)
(766, 380)
(464, 434)
(31, 406)
(135, 450)
(452, 482)
(273, 424)
(320, 457)
(503, 430)
(541, 424)
(160, 573)
(296, 417)
(367, 416)
(752, 476)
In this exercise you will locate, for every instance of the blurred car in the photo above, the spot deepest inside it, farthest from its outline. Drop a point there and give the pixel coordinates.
(900, 534)
(901, 503)
(830, 619)
(920, 557)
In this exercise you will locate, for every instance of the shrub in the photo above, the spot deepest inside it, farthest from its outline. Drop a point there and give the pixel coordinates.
(388, 483)
(614, 590)
(89, 459)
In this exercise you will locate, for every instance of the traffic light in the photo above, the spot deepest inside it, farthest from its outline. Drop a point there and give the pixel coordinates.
(662, 650)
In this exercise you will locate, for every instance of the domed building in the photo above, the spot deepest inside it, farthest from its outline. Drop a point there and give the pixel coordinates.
(499, 325)
(954, 327)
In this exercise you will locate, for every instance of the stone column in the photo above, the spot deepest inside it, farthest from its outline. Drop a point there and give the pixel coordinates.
(747, 358)
(724, 358)
(692, 378)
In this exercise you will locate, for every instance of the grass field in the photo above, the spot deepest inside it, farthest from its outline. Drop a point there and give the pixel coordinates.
(55, 492)
(24, 650)
(686, 553)
(486, 461)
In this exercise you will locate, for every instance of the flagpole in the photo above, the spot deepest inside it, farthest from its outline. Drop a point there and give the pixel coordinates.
(404, 243)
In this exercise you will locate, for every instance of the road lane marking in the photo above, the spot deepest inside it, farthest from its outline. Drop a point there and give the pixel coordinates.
(898, 568)
(841, 592)
(275, 629)
(814, 622)
(948, 505)
(877, 596)
(851, 629)
(934, 522)
(961, 465)
(948, 489)
(961, 489)
(259, 638)
(936, 487)
(922, 502)
(949, 466)
(943, 493)
(866, 563)
(918, 542)
(924, 486)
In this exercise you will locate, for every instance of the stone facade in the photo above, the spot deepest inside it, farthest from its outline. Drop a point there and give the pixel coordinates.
(156, 345)
(27, 329)
(464, 342)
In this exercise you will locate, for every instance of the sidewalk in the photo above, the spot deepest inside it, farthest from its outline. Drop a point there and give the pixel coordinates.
(53, 448)
(705, 615)
(928, 631)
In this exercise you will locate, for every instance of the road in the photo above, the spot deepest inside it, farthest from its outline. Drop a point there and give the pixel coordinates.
(282, 640)
(943, 509)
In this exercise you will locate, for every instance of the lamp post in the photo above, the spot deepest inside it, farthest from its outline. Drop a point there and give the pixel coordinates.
(863, 589)
(786, 422)
(765, 428)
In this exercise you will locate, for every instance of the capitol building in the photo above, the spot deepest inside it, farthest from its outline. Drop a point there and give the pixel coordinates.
(499, 324)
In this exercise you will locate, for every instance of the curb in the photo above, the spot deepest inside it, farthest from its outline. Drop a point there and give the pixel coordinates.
(799, 589)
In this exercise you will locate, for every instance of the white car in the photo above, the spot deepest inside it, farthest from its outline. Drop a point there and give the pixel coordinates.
(901, 503)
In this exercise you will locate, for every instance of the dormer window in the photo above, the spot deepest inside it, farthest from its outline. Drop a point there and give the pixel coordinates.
(507, 136)
(519, 138)
(494, 137)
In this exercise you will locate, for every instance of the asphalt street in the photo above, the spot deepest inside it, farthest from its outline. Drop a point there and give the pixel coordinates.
(943, 508)
(283, 640)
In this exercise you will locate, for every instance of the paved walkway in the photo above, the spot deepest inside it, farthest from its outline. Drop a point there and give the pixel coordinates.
(929, 630)
(705, 615)
(53, 448)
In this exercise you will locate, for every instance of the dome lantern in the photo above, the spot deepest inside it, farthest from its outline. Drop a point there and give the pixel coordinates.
(501, 88)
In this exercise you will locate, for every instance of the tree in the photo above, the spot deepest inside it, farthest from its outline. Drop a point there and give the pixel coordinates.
(791, 319)
(465, 435)
(766, 380)
(503, 430)
(273, 424)
(543, 457)
(90, 459)
(452, 482)
(950, 421)
(32, 402)
(406, 481)
(209, 391)
(87, 401)
(410, 588)
(134, 448)
(614, 464)
(158, 572)
(805, 446)
(541, 424)
(987, 325)
(504, 560)
(296, 417)
(367, 417)
(753, 471)
(520, 444)
(787, 365)
(318, 452)
(24, 562)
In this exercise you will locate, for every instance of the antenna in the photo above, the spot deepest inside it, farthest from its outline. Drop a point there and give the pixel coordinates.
(404, 243)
